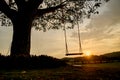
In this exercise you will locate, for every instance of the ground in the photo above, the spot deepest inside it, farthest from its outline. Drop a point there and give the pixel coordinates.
(104, 71)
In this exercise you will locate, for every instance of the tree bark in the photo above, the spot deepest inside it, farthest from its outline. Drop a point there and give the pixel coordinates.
(21, 37)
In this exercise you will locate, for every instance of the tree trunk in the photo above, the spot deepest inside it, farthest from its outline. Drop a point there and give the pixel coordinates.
(21, 37)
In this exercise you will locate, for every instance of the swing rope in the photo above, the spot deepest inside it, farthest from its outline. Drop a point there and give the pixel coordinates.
(65, 35)
(66, 45)
(79, 37)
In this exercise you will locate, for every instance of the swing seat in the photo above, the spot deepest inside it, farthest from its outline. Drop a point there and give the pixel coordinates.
(69, 54)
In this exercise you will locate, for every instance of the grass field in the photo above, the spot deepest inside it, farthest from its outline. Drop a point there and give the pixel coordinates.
(106, 71)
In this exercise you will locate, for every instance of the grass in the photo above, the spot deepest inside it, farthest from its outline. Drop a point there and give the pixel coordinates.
(105, 71)
(104, 65)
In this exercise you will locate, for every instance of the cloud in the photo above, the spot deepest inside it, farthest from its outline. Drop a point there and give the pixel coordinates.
(102, 25)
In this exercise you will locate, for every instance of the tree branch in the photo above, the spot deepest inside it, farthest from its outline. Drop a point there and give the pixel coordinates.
(34, 4)
(48, 10)
(4, 7)
(20, 4)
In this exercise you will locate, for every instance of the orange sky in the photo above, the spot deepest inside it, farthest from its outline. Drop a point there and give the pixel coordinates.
(99, 35)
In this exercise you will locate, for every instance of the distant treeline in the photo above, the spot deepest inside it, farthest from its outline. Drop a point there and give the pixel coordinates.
(111, 57)
(32, 62)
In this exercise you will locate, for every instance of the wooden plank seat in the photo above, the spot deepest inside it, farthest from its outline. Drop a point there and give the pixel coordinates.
(68, 54)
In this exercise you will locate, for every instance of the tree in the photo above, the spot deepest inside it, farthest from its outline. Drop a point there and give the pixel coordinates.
(43, 15)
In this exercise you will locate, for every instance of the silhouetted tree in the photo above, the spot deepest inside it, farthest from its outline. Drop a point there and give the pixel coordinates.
(43, 15)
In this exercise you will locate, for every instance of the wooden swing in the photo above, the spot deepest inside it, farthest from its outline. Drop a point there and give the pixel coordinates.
(66, 43)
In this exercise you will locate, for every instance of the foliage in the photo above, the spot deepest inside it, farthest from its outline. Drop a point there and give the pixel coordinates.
(72, 12)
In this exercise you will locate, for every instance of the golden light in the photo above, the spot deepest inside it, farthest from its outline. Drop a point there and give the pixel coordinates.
(87, 53)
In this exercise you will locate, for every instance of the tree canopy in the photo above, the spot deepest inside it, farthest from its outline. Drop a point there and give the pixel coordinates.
(50, 14)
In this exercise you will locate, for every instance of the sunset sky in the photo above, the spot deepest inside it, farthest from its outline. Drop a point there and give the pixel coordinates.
(99, 35)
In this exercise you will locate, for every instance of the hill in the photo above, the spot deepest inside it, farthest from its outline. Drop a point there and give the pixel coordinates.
(112, 54)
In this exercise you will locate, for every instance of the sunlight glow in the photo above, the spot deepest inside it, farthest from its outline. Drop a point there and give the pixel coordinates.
(87, 53)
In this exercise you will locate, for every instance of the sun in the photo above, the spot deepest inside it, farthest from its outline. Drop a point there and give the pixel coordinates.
(87, 53)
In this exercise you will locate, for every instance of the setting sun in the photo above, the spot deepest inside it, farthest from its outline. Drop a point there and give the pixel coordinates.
(87, 53)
